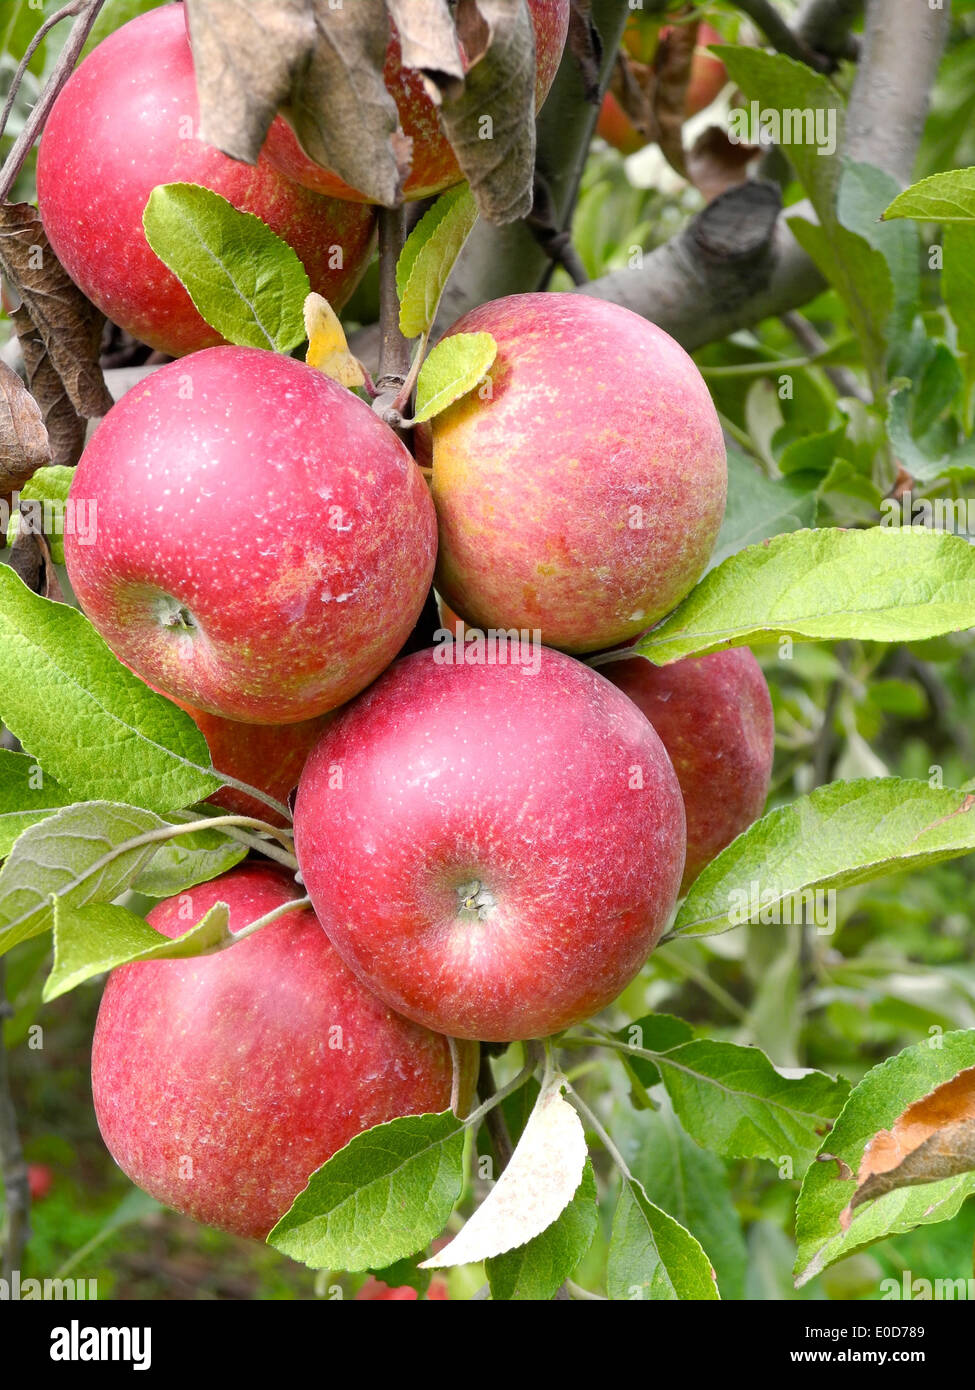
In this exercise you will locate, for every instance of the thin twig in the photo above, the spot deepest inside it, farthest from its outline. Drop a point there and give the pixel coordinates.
(495, 1123)
(74, 8)
(806, 335)
(63, 69)
(394, 350)
(13, 1169)
(779, 35)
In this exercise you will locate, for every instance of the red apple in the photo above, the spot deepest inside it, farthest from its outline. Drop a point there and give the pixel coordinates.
(434, 166)
(40, 1180)
(494, 848)
(125, 122)
(616, 128)
(581, 490)
(714, 717)
(221, 1083)
(374, 1290)
(263, 542)
(708, 74)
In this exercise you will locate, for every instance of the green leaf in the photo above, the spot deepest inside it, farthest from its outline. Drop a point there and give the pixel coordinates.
(387, 1194)
(90, 940)
(84, 853)
(782, 85)
(536, 1271)
(689, 1183)
(864, 192)
(732, 1101)
(847, 832)
(652, 1256)
(27, 796)
(814, 453)
(48, 485)
(93, 726)
(876, 1103)
(880, 585)
(404, 1274)
(958, 290)
(184, 862)
(945, 197)
(429, 256)
(245, 281)
(759, 507)
(535, 1188)
(656, 1033)
(454, 367)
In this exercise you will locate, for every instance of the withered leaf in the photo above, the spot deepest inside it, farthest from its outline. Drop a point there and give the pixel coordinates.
(715, 163)
(428, 43)
(65, 427)
(586, 47)
(672, 73)
(30, 557)
(68, 325)
(491, 124)
(321, 65)
(24, 445)
(633, 85)
(933, 1139)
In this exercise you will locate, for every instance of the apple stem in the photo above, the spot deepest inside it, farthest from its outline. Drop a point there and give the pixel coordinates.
(394, 348)
(87, 13)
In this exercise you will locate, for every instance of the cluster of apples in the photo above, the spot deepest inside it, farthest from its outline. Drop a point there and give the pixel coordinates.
(492, 834)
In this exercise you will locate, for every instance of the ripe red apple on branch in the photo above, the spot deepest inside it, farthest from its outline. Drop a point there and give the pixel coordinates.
(222, 1082)
(494, 848)
(708, 76)
(434, 165)
(264, 542)
(127, 121)
(580, 490)
(714, 717)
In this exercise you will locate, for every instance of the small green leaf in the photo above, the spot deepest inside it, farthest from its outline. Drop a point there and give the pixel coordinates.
(945, 197)
(876, 1103)
(91, 724)
(90, 940)
(86, 853)
(652, 1256)
(536, 1271)
(27, 796)
(387, 1194)
(732, 1101)
(880, 585)
(454, 367)
(428, 258)
(847, 832)
(48, 485)
(535, 1188)
(245, 281)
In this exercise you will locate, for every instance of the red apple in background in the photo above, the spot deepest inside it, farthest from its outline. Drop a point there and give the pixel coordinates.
(263, 542)
(616, 128)
(493, 848)
(708, 73)
(125, 122)
(707, 78)
(374, 1290)
(40, 1180)
(221, 1083)
(714, 717)
(434, 166)
(581, 490)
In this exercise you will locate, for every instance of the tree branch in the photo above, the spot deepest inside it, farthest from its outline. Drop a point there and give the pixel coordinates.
(825, 26)
(13, 1169)
(780, 36)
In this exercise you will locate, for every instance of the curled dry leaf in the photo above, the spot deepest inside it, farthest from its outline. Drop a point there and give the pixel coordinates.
(313, 60)
(672, 73)
(30, 557)
(68, 325)
(428, 42)
(491, 122)
(65, 427)
(933, 1139)
(633, 85)
(715, 163)
(24, 445)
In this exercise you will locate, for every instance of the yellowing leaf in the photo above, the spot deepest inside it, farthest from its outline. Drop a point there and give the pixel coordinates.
(328, 350)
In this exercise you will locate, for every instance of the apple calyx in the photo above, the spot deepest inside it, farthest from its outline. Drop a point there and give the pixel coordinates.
(476, 900)
(175, 615)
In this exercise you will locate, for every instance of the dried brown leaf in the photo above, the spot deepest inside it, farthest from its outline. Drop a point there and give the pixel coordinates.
(65, 427)
(428, 43)
(672, 71)
(24, 445)
(30, 557)
(321, 65)
(491, 123)
(715, 163)
(69, 325)
(933, 1139)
